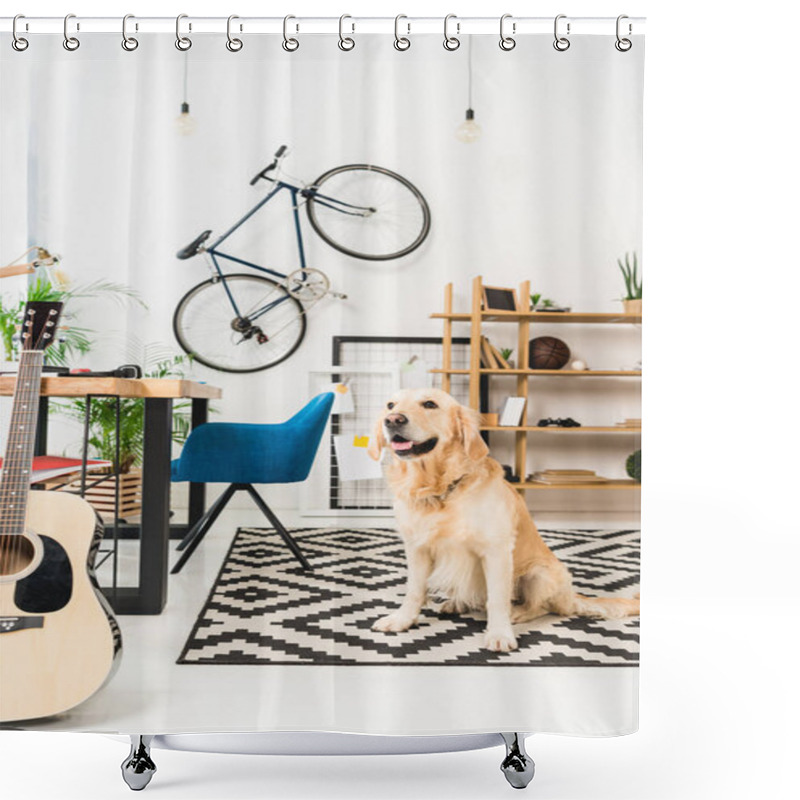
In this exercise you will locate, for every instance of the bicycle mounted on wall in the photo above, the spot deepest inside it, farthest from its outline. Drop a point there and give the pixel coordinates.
(240, 322)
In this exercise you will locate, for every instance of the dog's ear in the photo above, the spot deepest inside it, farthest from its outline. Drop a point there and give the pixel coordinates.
(377, 441)
(467, 423)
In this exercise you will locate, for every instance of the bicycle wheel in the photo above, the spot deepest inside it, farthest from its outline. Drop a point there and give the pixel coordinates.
(207, 327)
(368, 212)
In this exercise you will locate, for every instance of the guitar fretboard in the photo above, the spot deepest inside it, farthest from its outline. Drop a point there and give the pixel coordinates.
(15, 482)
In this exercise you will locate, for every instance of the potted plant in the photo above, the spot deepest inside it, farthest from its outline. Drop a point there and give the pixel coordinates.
(507, 352)
(632, 302)
(72, 340)
(539, 303)
(158, 363)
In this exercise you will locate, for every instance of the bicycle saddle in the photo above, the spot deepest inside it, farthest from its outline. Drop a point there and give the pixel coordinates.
(193, 248)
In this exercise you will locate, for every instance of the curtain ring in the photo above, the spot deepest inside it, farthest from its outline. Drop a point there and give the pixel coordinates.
(346, 43)
(70, 42)
(129, 43)
(401, 42)
(233, 44)
(183, 43)
(290, 44)
(18, 42)
(623, 44)
(561, 43)
(507, 42)
(451, 42)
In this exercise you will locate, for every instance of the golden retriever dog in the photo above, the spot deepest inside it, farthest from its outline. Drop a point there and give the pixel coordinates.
(468, 534)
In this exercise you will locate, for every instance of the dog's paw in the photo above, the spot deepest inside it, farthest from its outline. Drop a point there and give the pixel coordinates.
(500, 641)
(451, 607)
(393, 622)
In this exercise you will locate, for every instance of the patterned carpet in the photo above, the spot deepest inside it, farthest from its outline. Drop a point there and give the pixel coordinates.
(263, 609)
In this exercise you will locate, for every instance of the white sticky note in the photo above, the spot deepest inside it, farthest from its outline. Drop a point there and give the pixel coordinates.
(353, 460)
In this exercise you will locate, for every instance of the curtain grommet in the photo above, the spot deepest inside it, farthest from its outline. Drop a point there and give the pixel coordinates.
(234, 45)
(289, 43)
(561, 43)
(401, 43)
(129, 43)
(346, 43)
(451, 43)
(19, 43)
(183, 43)
(623, 44)
(71, 43)
(507, 43)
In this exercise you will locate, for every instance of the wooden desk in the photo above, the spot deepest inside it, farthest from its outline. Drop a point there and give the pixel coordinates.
(150, 596)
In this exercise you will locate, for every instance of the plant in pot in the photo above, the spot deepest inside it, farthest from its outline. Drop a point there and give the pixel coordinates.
(158, 362)
(73, 340)
(507, 352)
(538, 303)
(632, 302)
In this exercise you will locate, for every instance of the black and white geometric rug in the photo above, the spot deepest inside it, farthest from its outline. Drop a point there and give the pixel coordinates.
(264, 609)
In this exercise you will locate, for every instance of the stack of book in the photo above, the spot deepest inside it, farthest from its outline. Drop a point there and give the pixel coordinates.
(630, 423)
(553, 477)
(491, 357)
(48, 468)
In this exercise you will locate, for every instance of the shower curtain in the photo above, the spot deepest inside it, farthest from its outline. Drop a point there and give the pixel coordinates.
(513, 178)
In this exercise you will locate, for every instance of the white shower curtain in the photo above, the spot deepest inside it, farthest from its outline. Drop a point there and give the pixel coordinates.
(93, 167)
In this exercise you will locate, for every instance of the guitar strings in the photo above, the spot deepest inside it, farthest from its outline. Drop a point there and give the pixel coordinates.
(30, 370)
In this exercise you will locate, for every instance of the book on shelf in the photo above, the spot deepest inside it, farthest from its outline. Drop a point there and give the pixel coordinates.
(498, 357)
(629, 423)
(513, 412)
(487, 357)
(556, 476)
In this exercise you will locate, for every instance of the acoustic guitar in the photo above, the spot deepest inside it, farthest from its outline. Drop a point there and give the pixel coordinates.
(59, 641)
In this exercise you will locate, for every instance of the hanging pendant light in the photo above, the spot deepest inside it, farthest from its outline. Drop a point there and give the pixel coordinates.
(469, 131)
(185, 122)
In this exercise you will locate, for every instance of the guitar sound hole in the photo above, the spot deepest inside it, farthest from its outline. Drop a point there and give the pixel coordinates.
(16, 554)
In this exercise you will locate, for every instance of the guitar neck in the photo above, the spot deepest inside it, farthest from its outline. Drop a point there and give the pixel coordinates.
(17, 463)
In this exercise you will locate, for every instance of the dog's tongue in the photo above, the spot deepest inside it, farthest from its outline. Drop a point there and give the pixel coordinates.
(402, 445)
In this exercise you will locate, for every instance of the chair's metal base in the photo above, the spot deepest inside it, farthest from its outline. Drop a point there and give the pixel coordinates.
(138, 768)
(194, 536)
(517, 766)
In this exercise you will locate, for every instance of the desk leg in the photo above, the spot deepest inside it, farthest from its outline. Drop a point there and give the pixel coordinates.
(197, 491)
(154, 554)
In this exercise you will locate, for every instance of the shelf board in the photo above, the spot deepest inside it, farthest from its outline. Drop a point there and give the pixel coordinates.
(556, 429)
(571, 372)
(607, 486)
(578, 317)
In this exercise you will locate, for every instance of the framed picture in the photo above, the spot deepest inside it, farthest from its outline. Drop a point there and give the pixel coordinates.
(496, 298)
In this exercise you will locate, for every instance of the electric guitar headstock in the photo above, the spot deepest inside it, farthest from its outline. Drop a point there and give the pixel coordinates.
(39, 324)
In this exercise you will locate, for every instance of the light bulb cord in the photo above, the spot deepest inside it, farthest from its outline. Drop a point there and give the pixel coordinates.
(469, 72)
(186, 80)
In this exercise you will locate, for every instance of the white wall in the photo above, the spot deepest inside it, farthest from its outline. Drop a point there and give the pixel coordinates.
(551, 193)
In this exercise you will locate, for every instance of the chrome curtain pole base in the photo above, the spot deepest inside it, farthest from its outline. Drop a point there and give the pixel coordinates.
(517, 766)
(138, 768)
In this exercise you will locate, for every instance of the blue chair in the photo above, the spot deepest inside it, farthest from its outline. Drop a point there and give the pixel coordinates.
(241, 455)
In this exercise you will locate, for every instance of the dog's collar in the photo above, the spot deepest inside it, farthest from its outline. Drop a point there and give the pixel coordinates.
(449, 490)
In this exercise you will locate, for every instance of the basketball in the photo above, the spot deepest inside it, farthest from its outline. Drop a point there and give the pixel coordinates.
(547, 352)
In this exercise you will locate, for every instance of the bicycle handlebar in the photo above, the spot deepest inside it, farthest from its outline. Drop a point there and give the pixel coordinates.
(279, 154)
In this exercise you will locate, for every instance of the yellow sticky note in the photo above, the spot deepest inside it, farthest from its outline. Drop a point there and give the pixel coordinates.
(341, 388)
(361, 441)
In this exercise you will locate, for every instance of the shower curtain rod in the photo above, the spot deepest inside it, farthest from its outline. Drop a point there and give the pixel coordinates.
(516, 26)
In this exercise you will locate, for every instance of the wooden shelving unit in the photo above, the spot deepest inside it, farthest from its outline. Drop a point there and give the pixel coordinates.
(476, 318)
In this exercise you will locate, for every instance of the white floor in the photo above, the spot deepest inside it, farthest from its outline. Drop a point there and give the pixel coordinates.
(150, 693)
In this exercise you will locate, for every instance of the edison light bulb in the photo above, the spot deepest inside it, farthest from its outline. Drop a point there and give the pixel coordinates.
(469, 130)
(185, 122)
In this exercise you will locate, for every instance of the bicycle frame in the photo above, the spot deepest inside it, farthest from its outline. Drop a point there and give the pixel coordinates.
(295, 192)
